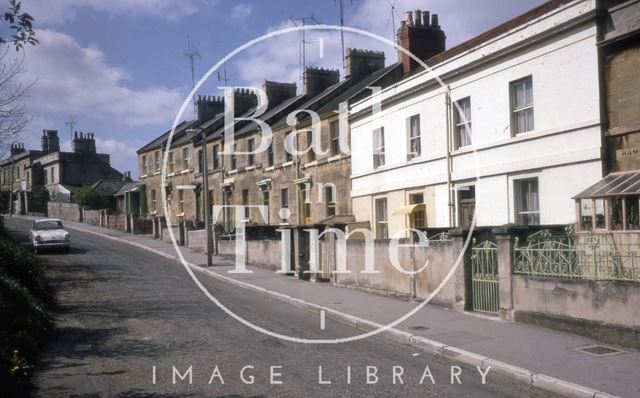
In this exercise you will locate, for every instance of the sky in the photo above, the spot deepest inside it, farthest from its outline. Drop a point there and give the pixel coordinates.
(118, 68)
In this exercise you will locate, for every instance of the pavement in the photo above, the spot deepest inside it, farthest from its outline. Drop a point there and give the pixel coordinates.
(542, 359)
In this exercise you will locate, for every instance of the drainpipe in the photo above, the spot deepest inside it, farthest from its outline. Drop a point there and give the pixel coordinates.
(297, 177)
(447, 102)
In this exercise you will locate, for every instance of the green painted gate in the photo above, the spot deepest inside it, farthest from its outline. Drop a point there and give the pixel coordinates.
(484, 277)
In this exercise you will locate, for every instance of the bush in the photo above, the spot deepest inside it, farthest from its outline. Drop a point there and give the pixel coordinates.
(24, 318)
(39, 196)
(91, 198)
(4, 201)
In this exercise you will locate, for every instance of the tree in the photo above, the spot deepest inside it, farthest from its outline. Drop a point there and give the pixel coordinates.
(91, 198)
(39, 195)
(21, 23)
(13, 118)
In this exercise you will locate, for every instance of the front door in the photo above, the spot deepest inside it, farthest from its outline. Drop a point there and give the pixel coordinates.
(466, 206)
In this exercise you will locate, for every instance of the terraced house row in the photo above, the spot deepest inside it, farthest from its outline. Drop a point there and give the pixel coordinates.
(512, 126)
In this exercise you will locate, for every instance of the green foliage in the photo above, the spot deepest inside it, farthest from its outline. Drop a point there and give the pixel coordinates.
(21, 24)
(4, 201)
(91, 198)
(24, 317)
(39, 195)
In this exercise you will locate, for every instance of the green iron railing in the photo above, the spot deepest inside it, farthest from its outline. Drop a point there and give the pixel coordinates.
(594, 257)
(484, 277)
(442, 237)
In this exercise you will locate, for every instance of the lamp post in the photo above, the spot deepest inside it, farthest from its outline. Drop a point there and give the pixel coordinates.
(205, 189)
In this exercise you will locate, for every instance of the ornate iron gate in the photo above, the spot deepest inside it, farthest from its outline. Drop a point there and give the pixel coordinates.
(484, 277)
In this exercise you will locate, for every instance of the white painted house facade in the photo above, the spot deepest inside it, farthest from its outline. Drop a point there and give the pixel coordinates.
(517, 137)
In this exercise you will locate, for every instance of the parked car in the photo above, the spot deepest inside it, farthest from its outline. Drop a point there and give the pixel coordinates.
(49, 234)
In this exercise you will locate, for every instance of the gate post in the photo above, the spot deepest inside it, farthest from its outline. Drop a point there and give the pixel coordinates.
(462, 277)
(154, 229)
(505, 240)
(181, 231)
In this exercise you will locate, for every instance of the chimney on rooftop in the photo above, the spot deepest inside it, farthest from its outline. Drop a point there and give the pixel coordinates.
(50, 141)
(421, 37)
(207, 107)
(16, 149)
(278, 92)
(362, 63)
(83, 143)
(316, 80)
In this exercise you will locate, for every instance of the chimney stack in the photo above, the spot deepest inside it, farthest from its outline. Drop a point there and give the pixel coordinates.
(316, 80)
(362, 63)
(83, 143)
(421, 37)
(244, 100)
(50, 141)
(16, 149)
(208, 107)
(278, 92)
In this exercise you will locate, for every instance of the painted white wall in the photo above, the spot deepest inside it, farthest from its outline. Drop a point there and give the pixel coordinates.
(563, 149)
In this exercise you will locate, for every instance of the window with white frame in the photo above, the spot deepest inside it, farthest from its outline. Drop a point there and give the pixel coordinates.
(250, 148)
(378, 148)
(414, 146)
(330, 200)
(522, 106)
(156, 157)
(186, 159)
(270, 159)
(382, 228)
(216, 157)
(265, 203)
(180, 201)
(334, 137)
(170, 162)
(287, 154)
(284, 201)
(144, 165)
(462, 110)
(234, 158)
(154, 200)
(527, 203)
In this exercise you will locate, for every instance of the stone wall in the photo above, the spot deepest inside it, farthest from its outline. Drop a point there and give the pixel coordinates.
(92, 216)
(605, 310)
(265, 253)
(64, 211)
(391, 281)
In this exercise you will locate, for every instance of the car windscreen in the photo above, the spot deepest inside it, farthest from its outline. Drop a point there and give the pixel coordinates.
(45, 225)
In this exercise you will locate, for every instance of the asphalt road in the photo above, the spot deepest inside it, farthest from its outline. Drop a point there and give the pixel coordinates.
(123, 312)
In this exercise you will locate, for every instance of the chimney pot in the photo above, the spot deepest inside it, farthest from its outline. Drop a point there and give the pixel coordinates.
(434, 21)
(425, 19)
(418, 19)
(420, 38)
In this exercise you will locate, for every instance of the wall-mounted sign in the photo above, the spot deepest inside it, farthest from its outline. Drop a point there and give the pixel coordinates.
(23, 185)
(628, 153)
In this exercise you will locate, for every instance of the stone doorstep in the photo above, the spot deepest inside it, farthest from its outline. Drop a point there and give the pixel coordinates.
(453, 354)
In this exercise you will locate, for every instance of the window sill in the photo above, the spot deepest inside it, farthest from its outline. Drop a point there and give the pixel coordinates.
(232, 172)
(289, 163)
(185, 171)
(270, 168)
(310, 164)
